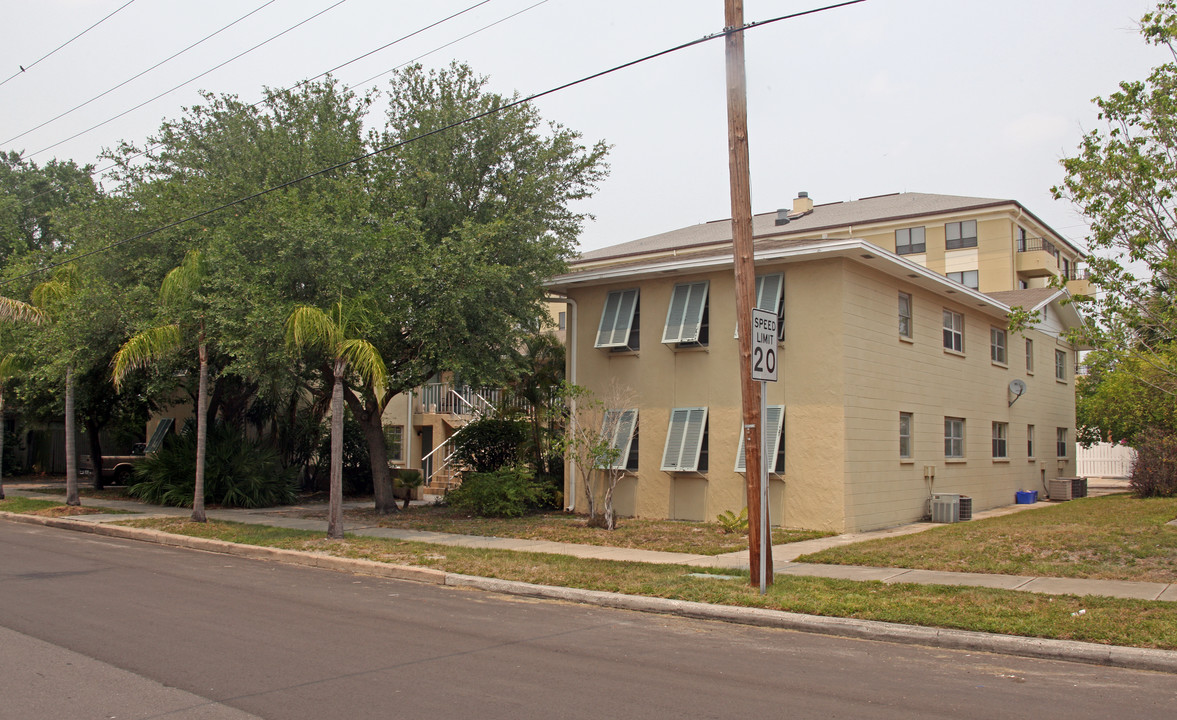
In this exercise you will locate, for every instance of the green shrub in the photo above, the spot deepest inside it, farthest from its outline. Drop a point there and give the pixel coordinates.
(237, 472)
(1154, 474)
(730, 522)
(489, 444)
(509, 492)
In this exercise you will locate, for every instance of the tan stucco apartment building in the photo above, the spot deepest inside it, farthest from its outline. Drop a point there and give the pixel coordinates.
(896, 365)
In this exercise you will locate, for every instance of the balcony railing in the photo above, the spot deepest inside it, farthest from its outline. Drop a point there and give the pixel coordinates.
(1036, 245)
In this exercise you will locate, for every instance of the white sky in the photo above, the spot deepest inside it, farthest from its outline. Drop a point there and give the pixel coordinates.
(966, 97)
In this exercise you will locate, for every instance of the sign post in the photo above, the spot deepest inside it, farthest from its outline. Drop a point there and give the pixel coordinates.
(764, 370)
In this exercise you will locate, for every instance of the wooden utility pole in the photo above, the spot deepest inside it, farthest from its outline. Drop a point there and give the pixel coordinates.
(745, 271)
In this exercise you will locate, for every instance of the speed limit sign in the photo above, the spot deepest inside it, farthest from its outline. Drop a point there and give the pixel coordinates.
(764, 345)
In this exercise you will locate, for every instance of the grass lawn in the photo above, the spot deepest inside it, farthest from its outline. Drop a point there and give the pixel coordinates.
(664, 535)
(51, 508)
(1106, 620)
(1115, 537)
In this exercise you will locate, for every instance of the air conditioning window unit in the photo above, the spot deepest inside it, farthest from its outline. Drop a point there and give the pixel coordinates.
(946, 507)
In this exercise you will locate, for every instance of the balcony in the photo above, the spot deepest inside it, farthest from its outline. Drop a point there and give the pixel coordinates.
(1037, 257)
(1079, 282)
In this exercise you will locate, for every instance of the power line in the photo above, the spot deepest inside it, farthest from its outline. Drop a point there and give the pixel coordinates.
(453, 42)
(148, 149)
(393, 146)
(24, 69)
(186, 82)
(141, 74)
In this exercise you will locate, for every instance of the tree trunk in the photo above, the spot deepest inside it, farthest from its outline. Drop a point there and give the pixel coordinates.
(92, 430)
(369, 413)
(1, 444)
(201, 436)
(335, 493)
(71, 450)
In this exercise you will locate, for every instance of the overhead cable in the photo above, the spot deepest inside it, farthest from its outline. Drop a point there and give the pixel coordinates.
(392, 146)
(24, 69)
(186, 82)
(139, 75)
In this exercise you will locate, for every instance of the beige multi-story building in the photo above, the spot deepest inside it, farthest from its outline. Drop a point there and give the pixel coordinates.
(898, 377)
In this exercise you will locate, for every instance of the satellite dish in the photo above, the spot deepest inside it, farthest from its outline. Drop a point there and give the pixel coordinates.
(1017, 388)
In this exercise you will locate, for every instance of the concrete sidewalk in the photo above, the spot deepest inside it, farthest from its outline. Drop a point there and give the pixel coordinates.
(784, 556)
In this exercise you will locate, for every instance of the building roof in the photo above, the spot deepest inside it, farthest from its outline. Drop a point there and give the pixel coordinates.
(1030, 299)
(830, 216)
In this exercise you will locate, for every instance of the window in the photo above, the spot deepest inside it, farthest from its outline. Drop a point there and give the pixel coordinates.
(905, 435)
(1000, 438)
(686, 441)
(1061, 442)
(1030, 441)
(1020, 239)
(1060, 365)
(619, 321)
(620, 427)
(394, 441)
(1067, 269)
(953, 437)
(953, 331)
(968, 278)
(562, 322)
(910, 240)
(770, 296)
(960, 234)
(1029, 356)
(686, 319)
(775, 420)
(904, 315)
(997, 345)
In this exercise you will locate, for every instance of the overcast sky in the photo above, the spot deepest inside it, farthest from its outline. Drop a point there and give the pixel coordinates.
(964, 97)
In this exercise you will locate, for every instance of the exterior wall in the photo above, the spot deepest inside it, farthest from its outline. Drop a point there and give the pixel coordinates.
(845, 375)
(887, 374)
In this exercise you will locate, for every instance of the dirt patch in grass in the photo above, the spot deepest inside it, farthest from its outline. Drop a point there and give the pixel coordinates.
(49, 508)
(1104, 620)
(1116, 537)
(662, 535)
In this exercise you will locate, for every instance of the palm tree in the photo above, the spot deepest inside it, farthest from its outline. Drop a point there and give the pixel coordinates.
(311, 328)
(8, 370)
(48, 296)
(177, 289)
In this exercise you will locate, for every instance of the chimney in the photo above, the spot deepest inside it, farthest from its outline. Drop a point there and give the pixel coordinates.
(782, 217)
(802, 204)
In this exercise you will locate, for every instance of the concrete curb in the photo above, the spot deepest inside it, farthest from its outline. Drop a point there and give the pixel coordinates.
(1040, 648)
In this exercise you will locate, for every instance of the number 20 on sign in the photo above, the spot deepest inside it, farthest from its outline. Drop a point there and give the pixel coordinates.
(764, 345)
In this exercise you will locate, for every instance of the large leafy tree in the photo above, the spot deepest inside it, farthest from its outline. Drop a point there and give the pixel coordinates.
(448, 236)
(1123, 180)
(476, 214)
(31, 197)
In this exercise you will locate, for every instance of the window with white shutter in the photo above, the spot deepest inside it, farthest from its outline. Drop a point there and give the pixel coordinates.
(684, 318)
(685, 439)
(619, 427)
(775, 419)
(617, 320)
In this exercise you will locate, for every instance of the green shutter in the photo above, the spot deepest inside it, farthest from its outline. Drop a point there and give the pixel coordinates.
(685, 315)
(684, 439)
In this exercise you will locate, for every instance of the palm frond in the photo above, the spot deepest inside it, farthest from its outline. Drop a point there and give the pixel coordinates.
(309, 326)
(64, 283)
(17, 311)
(183, 280)
(10, 367)
(366, 361)
(142, 349)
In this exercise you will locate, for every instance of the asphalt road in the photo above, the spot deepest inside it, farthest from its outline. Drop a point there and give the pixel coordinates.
(95, 627)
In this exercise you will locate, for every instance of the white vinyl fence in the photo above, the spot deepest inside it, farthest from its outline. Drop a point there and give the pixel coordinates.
(1105, 460)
